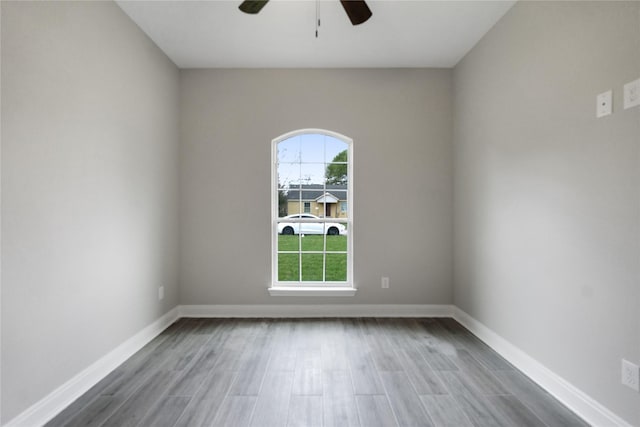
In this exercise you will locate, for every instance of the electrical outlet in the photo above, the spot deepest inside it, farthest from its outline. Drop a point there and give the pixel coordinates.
(160, 293)
(630, 375)
(632, 94)
(385, 283)
(604, 102)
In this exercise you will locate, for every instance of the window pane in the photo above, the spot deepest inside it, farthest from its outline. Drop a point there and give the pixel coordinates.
(336, 268)
(283, 202)
(312, 148)
(336, 174)
(336, 199)
(337, 243)
(312, 267)
(311, 174)
(288, 267)
(289, 150)
(288, 228)
(291, 199)
(338, 191)
(313, 243)
(288, 243)
(288, 175)
(333, 147)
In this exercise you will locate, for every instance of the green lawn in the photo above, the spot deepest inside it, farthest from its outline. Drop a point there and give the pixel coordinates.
(289, 264)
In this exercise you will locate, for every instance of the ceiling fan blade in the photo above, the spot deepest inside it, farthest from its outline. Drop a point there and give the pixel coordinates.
(252, 6)
(357, 10)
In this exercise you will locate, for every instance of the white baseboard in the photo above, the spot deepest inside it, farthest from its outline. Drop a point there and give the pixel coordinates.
(317, 310)
(576, 400)
(63, 396)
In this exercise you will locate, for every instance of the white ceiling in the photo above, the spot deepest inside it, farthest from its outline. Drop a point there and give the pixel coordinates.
(215, 34)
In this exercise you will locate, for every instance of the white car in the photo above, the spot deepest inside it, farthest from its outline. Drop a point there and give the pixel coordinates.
(289, 228)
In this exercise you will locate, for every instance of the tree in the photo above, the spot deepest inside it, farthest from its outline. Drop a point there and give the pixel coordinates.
(282, 202)
(336, 172)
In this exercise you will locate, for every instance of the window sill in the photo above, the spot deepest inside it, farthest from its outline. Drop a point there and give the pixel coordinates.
(316, 291)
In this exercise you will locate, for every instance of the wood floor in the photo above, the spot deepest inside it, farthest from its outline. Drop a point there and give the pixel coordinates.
(316, 372)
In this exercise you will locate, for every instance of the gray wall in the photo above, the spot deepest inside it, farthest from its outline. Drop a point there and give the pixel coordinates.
(547, 197)
(89, 190)
(400, 121)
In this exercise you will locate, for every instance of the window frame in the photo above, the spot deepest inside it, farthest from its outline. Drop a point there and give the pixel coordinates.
(326, 288)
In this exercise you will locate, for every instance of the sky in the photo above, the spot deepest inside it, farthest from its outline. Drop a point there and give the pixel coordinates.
(303, 158)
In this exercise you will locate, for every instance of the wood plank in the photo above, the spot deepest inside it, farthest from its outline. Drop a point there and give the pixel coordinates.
(404, 401)
(305, 411)
(541, 403)
(273, 402)
(437, 341)
(92, 415)
(482, 352)
(445, 411)
(135, 407)
(363, 369)
(384, 358)
(189, 381)
(420, 374)
(455, 383)
(397, 333)
(283, 353)
(487, 356)
(190, 348)
(235, 411)
(333, 346)
(476, 376)
(339, 404)
(479, 410)
(511, 412)
(253, 368)
(307, 380)
(375, 411)
(233, 349)
(178, 333)
(308, 358)
(203, 407)
(166, 412)
(437, 360)
(135, 374)
(92, 401)
(364, 374)
(212, 327)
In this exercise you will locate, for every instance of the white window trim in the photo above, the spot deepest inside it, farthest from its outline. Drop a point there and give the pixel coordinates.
(277, 288)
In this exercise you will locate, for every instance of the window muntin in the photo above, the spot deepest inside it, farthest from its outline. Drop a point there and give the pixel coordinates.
(312, 221)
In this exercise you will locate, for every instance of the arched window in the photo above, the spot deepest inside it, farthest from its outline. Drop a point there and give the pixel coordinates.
(312, 205)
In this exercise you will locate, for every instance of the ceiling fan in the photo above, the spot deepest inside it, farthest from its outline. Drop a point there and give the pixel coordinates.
(357, 10)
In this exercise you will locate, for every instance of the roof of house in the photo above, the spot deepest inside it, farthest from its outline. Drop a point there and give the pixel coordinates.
(315, 191)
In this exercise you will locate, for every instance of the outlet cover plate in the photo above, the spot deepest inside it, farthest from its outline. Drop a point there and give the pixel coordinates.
(630, 375)
(632, 94)
(604, 103)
